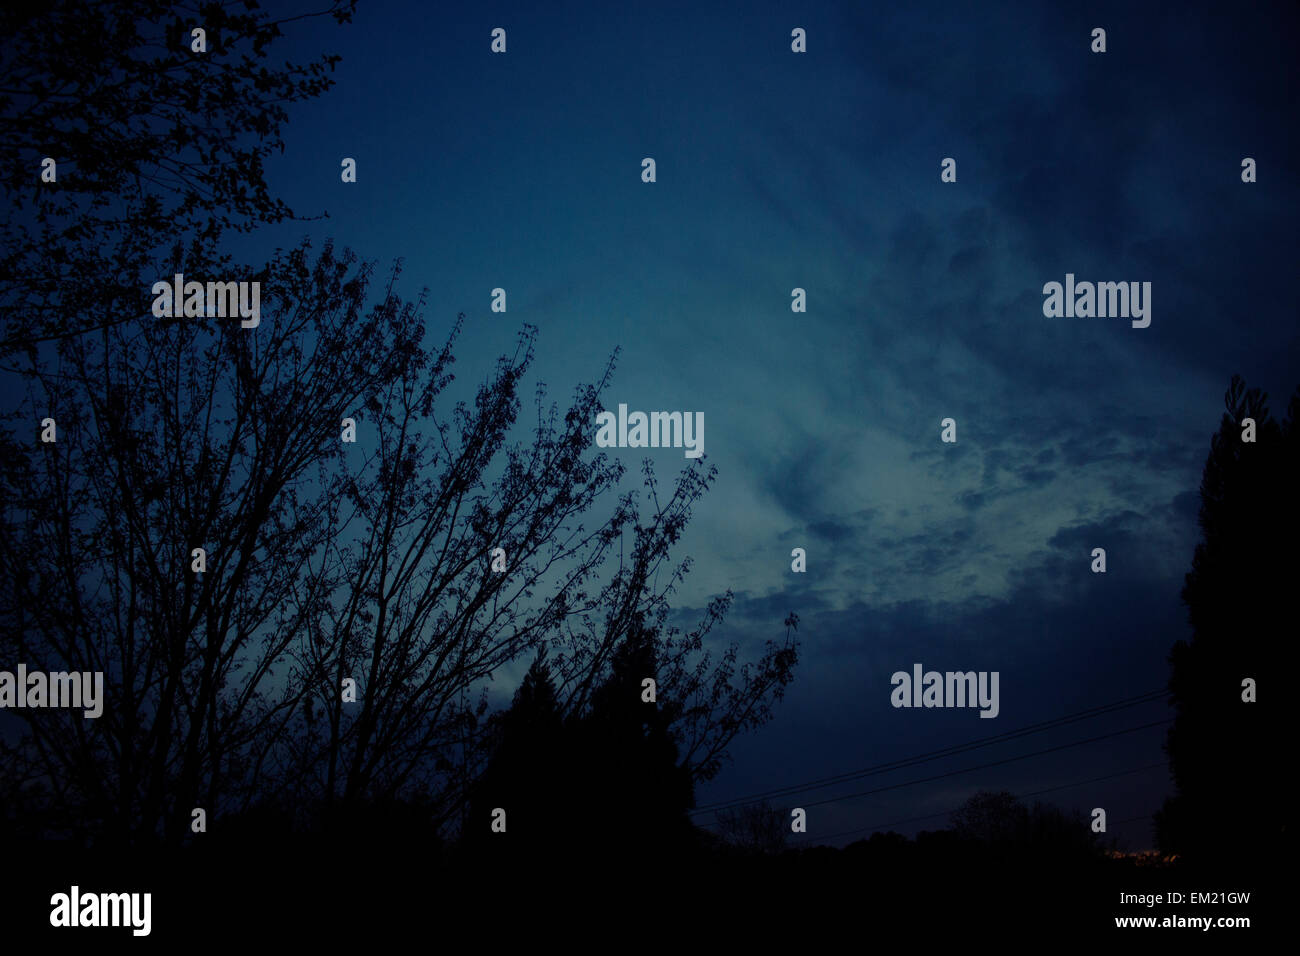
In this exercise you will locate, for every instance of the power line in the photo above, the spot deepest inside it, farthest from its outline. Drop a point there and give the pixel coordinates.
(822, 782)
(1018, 796)
(937, 754)
(993, 763)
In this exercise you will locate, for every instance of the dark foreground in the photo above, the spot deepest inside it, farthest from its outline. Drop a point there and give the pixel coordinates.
(348, 890)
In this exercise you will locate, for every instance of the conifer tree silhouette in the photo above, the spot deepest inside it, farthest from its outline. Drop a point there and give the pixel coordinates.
(629, 760)
(1227, 756)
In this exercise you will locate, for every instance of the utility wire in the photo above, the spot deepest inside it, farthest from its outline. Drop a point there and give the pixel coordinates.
(1018, 796)
(822, 782)
(982, 766)
(993, 763)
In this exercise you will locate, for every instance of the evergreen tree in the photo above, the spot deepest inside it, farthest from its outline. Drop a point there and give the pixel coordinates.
(1225, 754)
(637, 791)
(523, 773)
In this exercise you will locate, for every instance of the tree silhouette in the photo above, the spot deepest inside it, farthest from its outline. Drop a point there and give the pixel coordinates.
(611, 777)
(160, 151)
(1001, 822)
(326, 562)
(754, 827)
(160, 154)
(1226, 754)
(170, 439)
(627, 765)
(530, 758)
(991, 817)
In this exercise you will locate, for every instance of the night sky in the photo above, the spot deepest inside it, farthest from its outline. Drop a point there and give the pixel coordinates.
(822, 171)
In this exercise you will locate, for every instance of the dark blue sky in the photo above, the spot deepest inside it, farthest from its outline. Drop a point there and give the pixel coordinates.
(821, 171)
